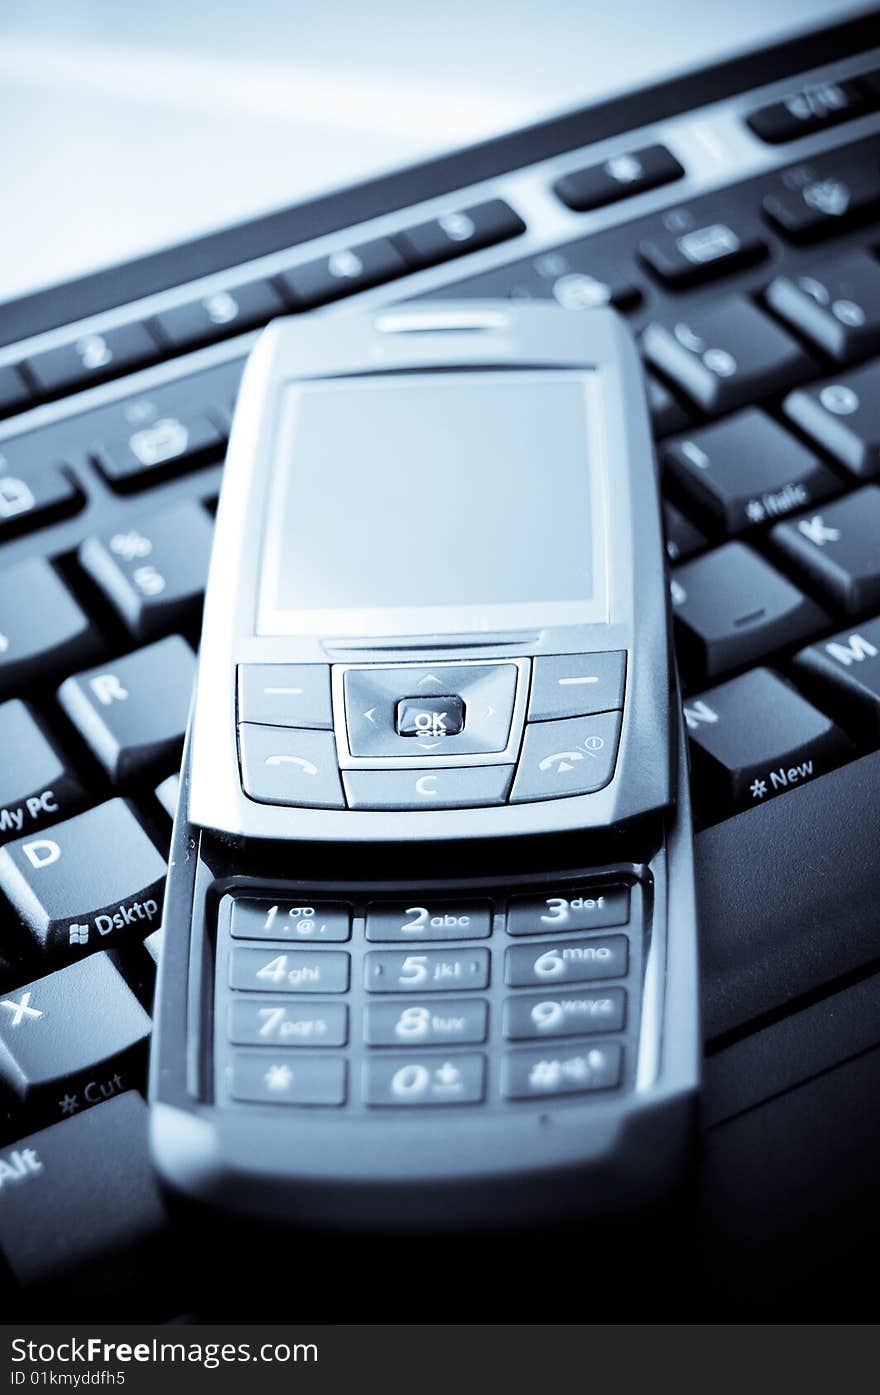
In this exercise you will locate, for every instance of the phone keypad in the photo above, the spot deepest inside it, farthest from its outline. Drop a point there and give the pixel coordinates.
(533, 1000)
(397, 726)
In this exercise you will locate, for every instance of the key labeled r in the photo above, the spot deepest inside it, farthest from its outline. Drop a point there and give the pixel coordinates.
(42, 852)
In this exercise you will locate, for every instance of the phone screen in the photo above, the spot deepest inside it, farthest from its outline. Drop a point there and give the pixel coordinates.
(466, 491)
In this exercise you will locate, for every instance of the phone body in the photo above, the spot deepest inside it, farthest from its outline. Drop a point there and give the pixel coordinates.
(430, 939)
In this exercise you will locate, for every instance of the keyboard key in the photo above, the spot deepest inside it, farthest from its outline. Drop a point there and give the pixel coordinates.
(667, 413)
(731, 608)
(755, 737)
(217, 315)
(167, 793)
(843, 416)
(453, 234)
(154, 572)
(567, 1015)
(837, 551)
(165, 447)
(342, 273)
(426, 971)
(14, 391)
(46, 494)
(321, 923)
(80, 1205)
(584, 908)
(571, 1071)
(725, 355)
(439, 921)
(36, 785)
(282, 1022)
(299, 971)
(810, 109)
(577, 275)
(683, 538)
(566, 961)
(132, 712)
(43, 632)
(701, 253)
(424, 1080)
(824, 197)
(460, 1021)
(94, 879)
(844, 673)
(91, 358)
(64, 1038)
(747, 470)
(836, 305)
(261, 1077)
(619, 178)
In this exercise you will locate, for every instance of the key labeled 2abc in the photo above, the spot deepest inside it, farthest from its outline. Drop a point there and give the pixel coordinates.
(397, 921)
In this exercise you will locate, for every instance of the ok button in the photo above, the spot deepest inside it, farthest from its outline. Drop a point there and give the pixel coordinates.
(432, 717)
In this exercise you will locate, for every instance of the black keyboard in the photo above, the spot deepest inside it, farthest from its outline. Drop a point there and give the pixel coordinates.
(734, 219)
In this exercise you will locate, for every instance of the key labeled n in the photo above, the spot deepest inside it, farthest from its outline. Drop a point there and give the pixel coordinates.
(700, 713)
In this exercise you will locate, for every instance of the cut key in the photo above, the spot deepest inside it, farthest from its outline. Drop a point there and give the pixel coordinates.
(71, 1039)
(95, 879)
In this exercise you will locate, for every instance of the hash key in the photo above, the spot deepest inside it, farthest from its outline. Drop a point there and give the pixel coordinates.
(43, 632)
(132, 712)
(72, 1025)
(154, 572)
(837, 550)
(36, 785)
(755, 737)
(731, 608)
(95, 879)
(725, 355)
(747, 470)
(844, 673)
(843, 416)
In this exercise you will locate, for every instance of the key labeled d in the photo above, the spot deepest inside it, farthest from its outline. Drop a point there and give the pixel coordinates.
(42, 852)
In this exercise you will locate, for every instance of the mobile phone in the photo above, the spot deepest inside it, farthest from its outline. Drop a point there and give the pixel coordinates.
(430, 941)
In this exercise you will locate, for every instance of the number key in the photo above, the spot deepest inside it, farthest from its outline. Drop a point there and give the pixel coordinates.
(153, 573)
(567, 961)
(281, 920)
(583, 908)
(443, 922)
(266, 971)
(396, 1024)
(433, 971)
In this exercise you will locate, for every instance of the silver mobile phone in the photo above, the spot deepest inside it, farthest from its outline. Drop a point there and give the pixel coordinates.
(430, 936)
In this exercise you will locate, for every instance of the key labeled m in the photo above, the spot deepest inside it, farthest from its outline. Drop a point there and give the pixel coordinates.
(855, 651)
